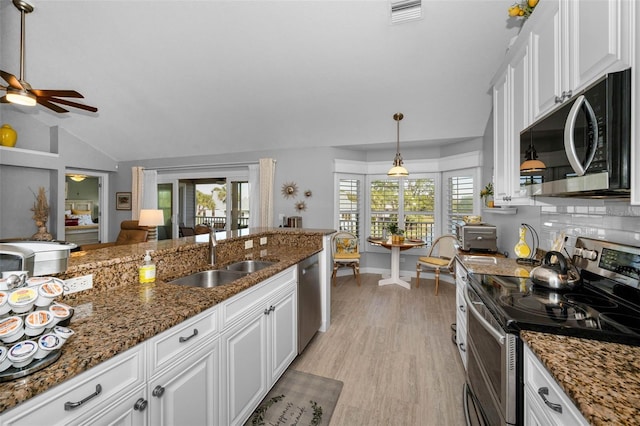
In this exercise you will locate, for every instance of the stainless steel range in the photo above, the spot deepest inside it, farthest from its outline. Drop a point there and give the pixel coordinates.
(605, 306)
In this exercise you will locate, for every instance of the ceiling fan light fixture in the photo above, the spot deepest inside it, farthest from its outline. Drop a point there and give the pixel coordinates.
(398, 170)
(20, 97)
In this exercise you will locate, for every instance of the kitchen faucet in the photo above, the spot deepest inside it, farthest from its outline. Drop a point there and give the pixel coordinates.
(212, 246)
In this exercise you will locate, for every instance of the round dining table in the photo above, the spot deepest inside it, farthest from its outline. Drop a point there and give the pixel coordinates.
(396, 248)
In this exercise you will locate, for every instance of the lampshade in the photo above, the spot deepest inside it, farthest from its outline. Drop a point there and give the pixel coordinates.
(531, 163)
(77, 178)
(20, 97)
(151, 217)
(398, 170)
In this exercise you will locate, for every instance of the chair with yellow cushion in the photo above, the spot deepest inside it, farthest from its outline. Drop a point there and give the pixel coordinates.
(441, 256)
(346, 253)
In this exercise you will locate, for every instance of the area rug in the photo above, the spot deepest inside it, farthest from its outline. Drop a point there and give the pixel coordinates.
(298, 399)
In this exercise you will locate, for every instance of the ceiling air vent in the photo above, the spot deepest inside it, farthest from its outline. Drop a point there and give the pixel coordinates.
(405, 10)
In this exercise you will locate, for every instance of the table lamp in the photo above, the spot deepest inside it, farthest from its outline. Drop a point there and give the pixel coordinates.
(151, 219)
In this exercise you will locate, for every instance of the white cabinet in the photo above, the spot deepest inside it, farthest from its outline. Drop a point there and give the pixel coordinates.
(187, 394)
(545, 403)
(573, 44)
(258, 345)
(461, 312)
(511, 95)
(92, 392)
(184, 372)
(128, 411)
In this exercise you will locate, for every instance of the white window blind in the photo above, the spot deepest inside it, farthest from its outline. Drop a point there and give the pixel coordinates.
(459, 199)
(349, 205)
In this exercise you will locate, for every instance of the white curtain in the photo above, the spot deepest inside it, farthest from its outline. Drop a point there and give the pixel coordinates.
(144, 190)
(267, 177)
(254, 195)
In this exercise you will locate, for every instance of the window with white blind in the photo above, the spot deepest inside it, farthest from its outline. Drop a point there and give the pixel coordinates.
(458, 198)
(413, 208)
(349, 204)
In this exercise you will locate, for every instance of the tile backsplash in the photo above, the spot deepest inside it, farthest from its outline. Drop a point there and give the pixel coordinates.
(615, 221)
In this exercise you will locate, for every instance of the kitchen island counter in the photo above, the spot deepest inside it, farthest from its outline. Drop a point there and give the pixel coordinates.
(601, 378)
(119, 313)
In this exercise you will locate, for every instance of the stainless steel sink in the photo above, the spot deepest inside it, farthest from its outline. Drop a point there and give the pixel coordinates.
(480, 259)
(209, 279)
(249, 266)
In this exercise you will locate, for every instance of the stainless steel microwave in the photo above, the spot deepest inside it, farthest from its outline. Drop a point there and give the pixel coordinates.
(582, 149)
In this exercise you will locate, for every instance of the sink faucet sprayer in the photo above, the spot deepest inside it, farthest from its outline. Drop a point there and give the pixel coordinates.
(212, 247)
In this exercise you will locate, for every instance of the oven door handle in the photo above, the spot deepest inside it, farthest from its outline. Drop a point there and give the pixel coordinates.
(498, 335)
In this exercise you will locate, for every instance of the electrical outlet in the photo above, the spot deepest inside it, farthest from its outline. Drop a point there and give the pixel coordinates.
(263, 241)
(248, 244)
(77, 284)
(263, 253)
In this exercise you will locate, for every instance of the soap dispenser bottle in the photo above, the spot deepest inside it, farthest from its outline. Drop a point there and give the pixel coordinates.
(147, 271)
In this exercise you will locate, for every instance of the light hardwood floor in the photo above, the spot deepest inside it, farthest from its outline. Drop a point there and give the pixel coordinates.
(392, 349)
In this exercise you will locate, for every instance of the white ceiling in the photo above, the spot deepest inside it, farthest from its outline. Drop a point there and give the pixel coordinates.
(181, 78)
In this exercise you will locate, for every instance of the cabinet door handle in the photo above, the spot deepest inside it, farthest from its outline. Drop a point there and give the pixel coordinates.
(461, 346)
(140, 404)
(266, 311)
(544, 392)
(272, 308)
(184, 339)
(68, 406)
(157, 391)
(462, 308)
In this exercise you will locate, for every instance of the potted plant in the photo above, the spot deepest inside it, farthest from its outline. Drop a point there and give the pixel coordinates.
(397, 234)
(487, 195)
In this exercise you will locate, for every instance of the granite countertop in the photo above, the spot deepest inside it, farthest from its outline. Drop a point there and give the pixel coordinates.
(601, 378)
(152, 309)
(494, 265)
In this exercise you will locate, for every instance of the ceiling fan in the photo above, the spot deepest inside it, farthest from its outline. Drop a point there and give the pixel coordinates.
(20, 92)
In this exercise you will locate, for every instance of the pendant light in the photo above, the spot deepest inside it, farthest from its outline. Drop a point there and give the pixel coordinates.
(531, 162)
(398, 170)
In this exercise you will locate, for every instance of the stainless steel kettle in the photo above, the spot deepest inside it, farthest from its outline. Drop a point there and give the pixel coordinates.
(561, 275)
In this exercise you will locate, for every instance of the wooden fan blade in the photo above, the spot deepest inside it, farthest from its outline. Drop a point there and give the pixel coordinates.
(12, 80)
(3, 100)
(72, 104)
(46, 103)
(56, 93)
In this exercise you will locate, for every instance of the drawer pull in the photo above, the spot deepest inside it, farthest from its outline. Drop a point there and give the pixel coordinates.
(158, 391)
(140, 404)
(185, 339)
(68, 406)
(544, 392)
(461, 346)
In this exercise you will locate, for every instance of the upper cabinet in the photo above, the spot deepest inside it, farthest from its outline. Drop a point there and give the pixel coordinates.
(563, 47)
(574, 43)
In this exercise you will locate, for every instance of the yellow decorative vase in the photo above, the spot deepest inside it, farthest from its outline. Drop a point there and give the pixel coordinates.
(8, 136)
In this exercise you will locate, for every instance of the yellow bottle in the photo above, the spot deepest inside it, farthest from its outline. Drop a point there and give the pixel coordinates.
(147, 272)
(521, 249)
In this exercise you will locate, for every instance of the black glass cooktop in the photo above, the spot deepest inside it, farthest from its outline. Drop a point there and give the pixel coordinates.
(597, 309)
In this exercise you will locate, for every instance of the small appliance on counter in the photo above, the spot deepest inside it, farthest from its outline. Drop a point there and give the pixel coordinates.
(292, 222)
(477, 237)
(37, 257)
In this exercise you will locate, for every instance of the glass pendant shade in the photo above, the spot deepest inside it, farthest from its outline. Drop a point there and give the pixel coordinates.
(77, 178)
(398, 169)
(531, 162)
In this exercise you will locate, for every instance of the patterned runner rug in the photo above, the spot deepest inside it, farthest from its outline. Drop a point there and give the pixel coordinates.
(298, 399)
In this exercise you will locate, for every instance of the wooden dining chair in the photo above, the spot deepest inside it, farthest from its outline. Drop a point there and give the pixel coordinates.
(346, 253)
(441, 255)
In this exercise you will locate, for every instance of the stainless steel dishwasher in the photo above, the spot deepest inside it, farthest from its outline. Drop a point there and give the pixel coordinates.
(309, 303)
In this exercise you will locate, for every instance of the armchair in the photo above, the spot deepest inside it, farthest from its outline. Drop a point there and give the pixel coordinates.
(130, 233)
